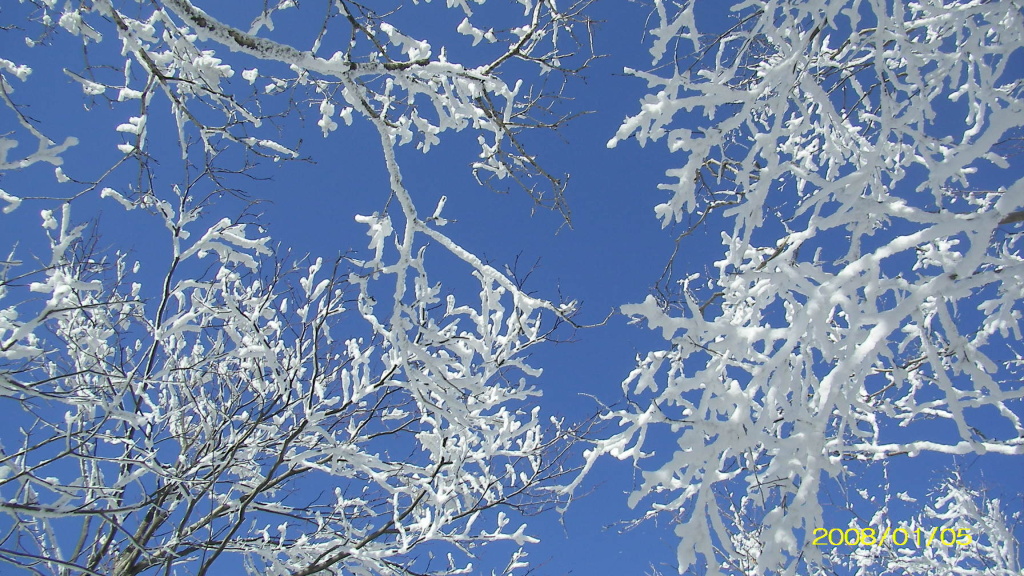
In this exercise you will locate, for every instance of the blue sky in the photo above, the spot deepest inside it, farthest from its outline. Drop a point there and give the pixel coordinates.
(613, 254)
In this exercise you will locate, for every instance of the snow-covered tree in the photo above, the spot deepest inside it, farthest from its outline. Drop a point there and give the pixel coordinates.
(196, 400)
(961, 531)
(857, 155)
(223, 405)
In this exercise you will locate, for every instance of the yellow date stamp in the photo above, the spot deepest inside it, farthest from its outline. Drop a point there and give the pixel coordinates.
(919, 537)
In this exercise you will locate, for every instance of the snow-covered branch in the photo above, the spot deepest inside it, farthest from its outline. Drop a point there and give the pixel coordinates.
(219, 403)
(220, 415)
(223, 82)
(872, 273)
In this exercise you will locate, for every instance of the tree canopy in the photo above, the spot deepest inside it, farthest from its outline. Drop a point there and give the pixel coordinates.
(841, 286)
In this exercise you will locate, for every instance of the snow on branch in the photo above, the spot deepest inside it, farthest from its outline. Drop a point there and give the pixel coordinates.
(234, 410)
(178, 49)
(223, 403)
(871, 274)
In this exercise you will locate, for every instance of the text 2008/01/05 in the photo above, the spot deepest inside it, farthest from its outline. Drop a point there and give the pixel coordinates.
(898, 537)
